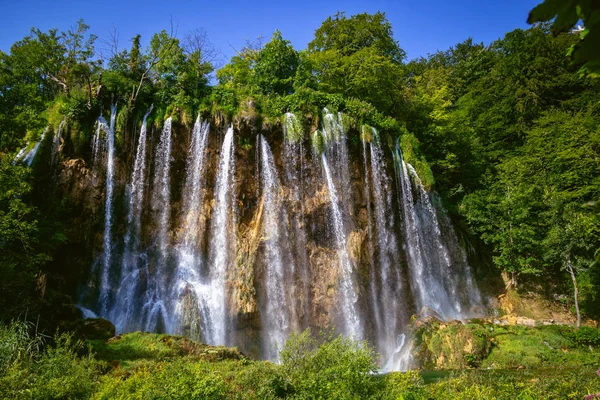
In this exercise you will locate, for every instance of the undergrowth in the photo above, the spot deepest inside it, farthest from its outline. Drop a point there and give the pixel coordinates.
(313, 366)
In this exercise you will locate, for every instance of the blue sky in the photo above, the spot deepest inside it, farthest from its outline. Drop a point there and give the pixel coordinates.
(421, 27)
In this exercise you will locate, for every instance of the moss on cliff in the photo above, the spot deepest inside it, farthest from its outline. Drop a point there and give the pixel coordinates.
(451, 345)
(456, 345)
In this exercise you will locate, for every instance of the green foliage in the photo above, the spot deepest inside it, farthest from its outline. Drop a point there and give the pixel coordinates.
(23, 254)
(293, 128)
(587, 336)
(509, 133)
(456, 346)
(151, 366)
(39, 68)
(17, 227)
(501, 385)
(276, 66)
(324, 367)
(412, 155)
(544, 346)
(54, 372)
(17, 344)
(173, 380)
(403, 385)
(361, 31)
(564, 16)
(354, 64)
(453, 345)
(365, 74)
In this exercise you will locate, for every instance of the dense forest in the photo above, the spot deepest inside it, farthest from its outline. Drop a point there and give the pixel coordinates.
(508, 135)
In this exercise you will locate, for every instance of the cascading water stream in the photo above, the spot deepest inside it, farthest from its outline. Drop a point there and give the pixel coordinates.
(108, 217)
(373, 284)
(349, 297)
(435, 275)
(134, 269)
(136, 188)
(420, 280)
(334, 139)
(155, 310)
(390, 294)
(56, 143)
(189, 290)
(453, 273)
(276, 318)
(221, 247)
(162, 188)
(293, 177)
(97, 142)
(193, 191)
(20, 154)
(29, 157)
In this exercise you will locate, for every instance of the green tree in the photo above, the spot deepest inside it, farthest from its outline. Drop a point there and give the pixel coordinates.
(356, 57)
(350, 35)
(565, 14)
(276, 66)
(19, 239)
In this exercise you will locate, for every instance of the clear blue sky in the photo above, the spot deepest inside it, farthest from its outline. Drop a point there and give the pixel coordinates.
(420, 26)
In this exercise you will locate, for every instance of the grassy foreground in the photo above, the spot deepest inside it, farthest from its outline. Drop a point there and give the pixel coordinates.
(152, 366)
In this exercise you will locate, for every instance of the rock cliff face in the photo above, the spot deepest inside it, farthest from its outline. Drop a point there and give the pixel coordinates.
(297, 227)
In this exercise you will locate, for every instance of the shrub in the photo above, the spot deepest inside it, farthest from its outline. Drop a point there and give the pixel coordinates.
(180, 379)
(55, 373)
(16, 344)
(264, 380)
(405, 385)
(587, 336)
(324, 367)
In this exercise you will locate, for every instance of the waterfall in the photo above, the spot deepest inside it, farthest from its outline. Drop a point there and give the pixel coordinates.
(20, 154)
(222, 245)
(193, 195)
(453, 272)
(154, 271)
(373, 284)
(389, 294)
(188, 286)
(56, 143)
(294, 158)
(435, 275)
(347, 290)
(162, 188)
(334, 139)
(108, 217)
(27, 157)
(325, 238)
(277, 313)
(401, 358)
(126, 308)
(97, 141)
(136, 188)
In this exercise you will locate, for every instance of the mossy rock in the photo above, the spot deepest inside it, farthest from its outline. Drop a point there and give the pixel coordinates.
(95, 329)
(451, 345)
(131, 350)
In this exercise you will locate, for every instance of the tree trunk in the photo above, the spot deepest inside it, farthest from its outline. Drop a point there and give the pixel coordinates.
(513, 279)
(575, 290)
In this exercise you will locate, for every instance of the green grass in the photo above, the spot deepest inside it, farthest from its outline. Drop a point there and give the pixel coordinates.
(554, 361)
(538, 347)
(544, 384)
(455, 345)
(138, 348)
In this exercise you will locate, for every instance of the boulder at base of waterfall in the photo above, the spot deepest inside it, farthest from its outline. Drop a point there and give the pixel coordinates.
(95, 329)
